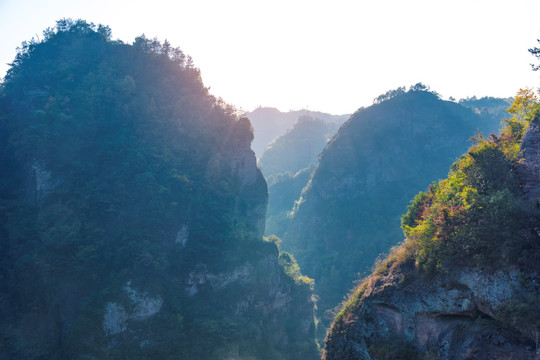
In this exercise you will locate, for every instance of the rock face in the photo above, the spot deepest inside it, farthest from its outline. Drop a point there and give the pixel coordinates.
(451, 317)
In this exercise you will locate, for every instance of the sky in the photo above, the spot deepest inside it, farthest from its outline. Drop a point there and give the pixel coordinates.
(333, 56)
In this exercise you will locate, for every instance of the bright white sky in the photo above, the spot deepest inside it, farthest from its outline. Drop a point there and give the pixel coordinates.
(333, 56)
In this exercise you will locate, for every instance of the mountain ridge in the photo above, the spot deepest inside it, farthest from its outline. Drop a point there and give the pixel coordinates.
(132, 212)
(349, 211)
(464, 282)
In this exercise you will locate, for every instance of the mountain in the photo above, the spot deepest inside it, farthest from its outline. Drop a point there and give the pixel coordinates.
(487, 106)
(465, 283)
(132, 212)
(287, 163)
(298, 147)
(269, 123)
(283, 191)
(349, 212)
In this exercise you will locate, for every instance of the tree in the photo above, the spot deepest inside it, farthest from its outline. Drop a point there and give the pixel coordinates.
(536, 52)
(523, 103)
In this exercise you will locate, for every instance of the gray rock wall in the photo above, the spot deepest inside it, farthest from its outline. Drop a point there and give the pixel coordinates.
(451, 317)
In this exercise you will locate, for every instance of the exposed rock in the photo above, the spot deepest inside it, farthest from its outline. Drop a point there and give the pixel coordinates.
(244, 164)
(196, 277)
(182, 236)
(144, 306)
(490, 290)
(217, 281)
(274, 302)
(452, 317)
(242, 159)
(115, 319)
(43, 180)
(240, 274)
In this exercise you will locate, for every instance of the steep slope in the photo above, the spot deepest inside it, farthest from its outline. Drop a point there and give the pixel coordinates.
(465, 284)
(132, 212)
(269, 123)
(349, 212)
(297, 148)
(287, 164)
(283, 191)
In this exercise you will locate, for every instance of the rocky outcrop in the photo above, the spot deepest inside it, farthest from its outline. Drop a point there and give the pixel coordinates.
(201, 276)
(453, 316)
(115, 319)
(182, 236)
(279, 301)
(244, 164)
(241, 158)
(42, 180)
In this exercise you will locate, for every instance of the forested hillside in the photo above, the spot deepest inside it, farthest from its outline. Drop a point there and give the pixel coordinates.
(132, 212)
(465, 282)
(270, 123)
(350, 211)
(297, 148)
(287, 164)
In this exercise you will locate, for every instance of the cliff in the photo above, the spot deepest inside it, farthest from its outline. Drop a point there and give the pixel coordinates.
(448, 317)
(465, 284)
(132, 212)
(349, 212)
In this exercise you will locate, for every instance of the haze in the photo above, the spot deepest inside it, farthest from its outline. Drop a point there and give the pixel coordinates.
(327, 56)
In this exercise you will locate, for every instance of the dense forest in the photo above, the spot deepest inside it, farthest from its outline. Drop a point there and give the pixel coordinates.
(132, 212)
(465, 282)
(349, 212)
(287, 164)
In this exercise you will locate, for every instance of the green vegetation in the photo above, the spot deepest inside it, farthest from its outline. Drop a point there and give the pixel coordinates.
(476, 218)
(287, 164)
(350, 211)
(297, 148)
(283, 190)
(118, 170)
(292, 269)
(487, 106)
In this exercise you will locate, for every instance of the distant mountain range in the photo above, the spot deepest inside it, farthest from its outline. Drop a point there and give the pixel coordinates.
(269, 123)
